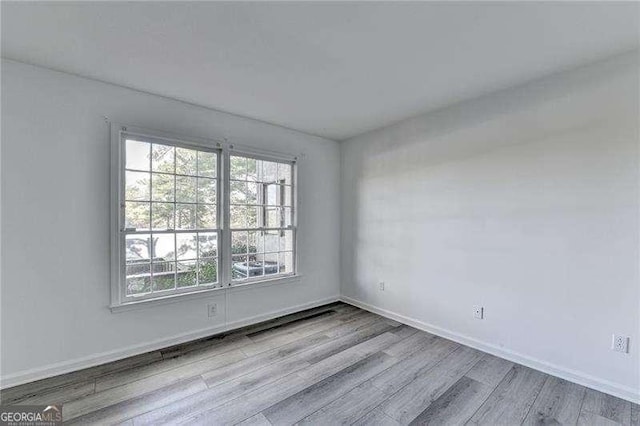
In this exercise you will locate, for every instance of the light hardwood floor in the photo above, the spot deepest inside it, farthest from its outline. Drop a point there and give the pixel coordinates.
(330, 365)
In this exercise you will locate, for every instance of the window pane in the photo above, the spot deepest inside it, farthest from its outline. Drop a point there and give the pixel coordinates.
(207, 190)
(238, 216)
(162, 216)
(163, 276)
(284, 173)
(207, 164)
(162, 158)
(138, 248)
(239, 267)
(137, 215)
(137, 155)
(272, 194)
(137, 186)
(207, 271)
(271, 241)
(286, 262)
(273, 217)
(186, 189)
(286, 241)
(271, 264)
(164, 247)
(208, 244)
(238, 168)
(253, 166)
(185, 216)
(255, 242)
(252, 193)
(162, 187)
(269, 171)
(186, 161)
(238, 192)
(206, 216)
(186, 275)
(186, 246)
(252, 213)
(138, 278)
(239, 242)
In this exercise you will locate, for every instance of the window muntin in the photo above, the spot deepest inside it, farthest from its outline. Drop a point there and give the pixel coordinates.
(170, 233)
(261, 218)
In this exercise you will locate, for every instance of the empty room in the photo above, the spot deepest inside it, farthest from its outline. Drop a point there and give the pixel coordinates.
(325, 213)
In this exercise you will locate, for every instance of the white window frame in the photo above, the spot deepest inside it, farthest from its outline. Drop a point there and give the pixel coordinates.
(119, 300)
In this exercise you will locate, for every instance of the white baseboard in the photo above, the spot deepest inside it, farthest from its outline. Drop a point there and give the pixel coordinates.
(56, 369)
(574, 376)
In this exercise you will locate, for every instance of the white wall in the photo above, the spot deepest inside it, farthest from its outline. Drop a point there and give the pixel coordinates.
(524, 201)
(55, 223)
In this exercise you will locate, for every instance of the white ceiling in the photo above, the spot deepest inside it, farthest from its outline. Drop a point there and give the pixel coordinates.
(330, 69)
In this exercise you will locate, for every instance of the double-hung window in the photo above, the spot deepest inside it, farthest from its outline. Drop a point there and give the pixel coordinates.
(195, 215)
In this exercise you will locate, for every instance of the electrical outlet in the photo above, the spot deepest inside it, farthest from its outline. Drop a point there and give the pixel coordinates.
(381, 285)
(212, 309)
(478, 312)
(620, 343)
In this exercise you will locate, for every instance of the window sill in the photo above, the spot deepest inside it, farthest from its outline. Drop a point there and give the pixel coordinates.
(234, 288)
(147, 303)
(173, 298)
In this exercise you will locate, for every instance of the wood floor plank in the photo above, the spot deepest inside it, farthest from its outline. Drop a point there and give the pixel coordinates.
(355, 324)
(415, 342)
(511, 401)
(234, 340)
(34, 388)
(131, 407)
(253, 363)
(406, 404)
(337, 345)
(607, 406)
(307, 401)
(118, 394)
(404, 331)
(457, 405)
(591, 419)
(227, 391)
(317, 318)
(285, 337)
(58, 395)
(164, 365)
(413, 366)
(344, 359)
(460, 402)
(559, 402)
(251, 403)
(257, 420)
(490, 370)
(376, 417)
(348, 408)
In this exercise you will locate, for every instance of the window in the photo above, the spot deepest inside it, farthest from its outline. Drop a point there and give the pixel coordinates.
(261, 218)
(175, 202)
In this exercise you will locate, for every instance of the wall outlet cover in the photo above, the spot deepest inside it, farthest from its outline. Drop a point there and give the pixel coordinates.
(212, 309)
(620, 343)
(478, 312)
(381, 285)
